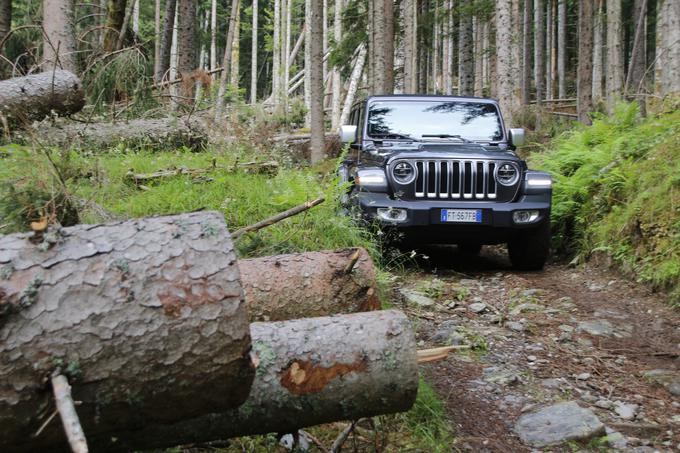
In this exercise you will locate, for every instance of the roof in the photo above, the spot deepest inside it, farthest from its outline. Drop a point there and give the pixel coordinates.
(418, 97)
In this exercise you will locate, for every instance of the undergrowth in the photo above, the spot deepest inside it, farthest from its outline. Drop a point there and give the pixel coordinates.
(617, 194)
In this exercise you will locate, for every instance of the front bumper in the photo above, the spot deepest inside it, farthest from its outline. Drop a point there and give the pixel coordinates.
(423, 217)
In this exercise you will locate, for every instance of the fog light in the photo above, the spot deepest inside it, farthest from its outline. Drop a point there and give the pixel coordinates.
(392, 214)
(525, 216)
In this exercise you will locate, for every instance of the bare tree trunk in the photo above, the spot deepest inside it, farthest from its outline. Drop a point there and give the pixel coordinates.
(598, 54)
(308, 60)
(213, 31)
(283, 49)
(539, 46)
(354, 79)
(377, 49)
(410, 47)
(585, 52)
(504, 67)
(277, 89)
(526, 52)
(479, 56)
(422, 47)
(310, 371)
(114, 23)
(614, 54)
(667, 70)
(548, 50)
(186, 38)
(562, 48)
(516, 48)
(135, 17)
(466, 64)
(436, 46)
(5, 19)
(157, 40)
(59, 43)
(166, 39)
(39, 95)
(98, 304)
(337, 77)
(253, 55)
(226, 61)
(638, 57)
(236, 49)
(389, 46)
(316, 81)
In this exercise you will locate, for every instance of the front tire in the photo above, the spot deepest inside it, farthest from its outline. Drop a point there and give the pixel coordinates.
(530, 249)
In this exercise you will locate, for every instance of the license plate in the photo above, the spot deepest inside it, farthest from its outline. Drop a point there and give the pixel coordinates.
(462, 215)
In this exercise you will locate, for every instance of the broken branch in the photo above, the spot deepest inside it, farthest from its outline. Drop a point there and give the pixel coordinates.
(278, 217)
(352, 262)
(68, 414)
(342, 437)
(436, 354)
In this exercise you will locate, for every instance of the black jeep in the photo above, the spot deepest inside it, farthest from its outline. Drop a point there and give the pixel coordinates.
(443, 169)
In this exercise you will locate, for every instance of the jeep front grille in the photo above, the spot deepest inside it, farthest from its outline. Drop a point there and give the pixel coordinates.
(456, 179)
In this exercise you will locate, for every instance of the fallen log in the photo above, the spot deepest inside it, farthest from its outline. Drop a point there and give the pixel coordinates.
(309, 372)
(159, 133)
(303, 285)
(300, 145)
(37, 96)
(146, 318)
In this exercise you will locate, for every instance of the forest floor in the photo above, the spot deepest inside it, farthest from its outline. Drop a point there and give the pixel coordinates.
(536, 340)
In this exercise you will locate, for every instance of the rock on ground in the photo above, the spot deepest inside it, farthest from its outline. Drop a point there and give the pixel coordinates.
(558, 423)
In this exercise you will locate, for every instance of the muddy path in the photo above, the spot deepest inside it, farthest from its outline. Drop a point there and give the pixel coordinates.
(564, 359)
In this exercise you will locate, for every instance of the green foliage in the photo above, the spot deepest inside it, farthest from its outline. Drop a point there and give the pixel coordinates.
(617, 192)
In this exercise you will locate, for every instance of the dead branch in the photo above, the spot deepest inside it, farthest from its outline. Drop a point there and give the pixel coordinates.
(342, 437)
(436, 354)
(68, 414)
(278, 217)
(353, 262)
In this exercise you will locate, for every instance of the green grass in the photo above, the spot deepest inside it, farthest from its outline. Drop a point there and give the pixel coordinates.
(617, 192)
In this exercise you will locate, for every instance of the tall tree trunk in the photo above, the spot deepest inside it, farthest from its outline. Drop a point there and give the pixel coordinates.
(422, 50)
(370, 30)
(667, 70)
(479, 56)
(186, 45)
(638, 57)
(135, 18)
(539, 46)
(277, 89)
(354, 79)
(410, 47)
(516, 47)
(213, 32)
(317, 142)
(236, 49)
(614, 54)
(585, 52)
(548, 49)
(253, 55)
(59, 43)
(226, 61)
(115, 16)
(5, 19)
(561, 48)
(436, 35)
(447, 71)
(526, 52)
(283, 49)
(505, 71)
(378, 46)
(166, 39)
(389, 46)
(308, 60)
(157, 40)
(598, 53)
(466, 63)
(337, 77)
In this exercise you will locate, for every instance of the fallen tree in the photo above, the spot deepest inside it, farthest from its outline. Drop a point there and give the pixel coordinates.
(159, 133)
(39, 95)
(142, 316)
(309, 371)
(309, 284)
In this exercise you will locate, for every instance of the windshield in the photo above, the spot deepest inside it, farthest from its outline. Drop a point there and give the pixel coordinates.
(476, 121)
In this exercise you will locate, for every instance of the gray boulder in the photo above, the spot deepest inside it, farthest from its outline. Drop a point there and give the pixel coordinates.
(558, 423)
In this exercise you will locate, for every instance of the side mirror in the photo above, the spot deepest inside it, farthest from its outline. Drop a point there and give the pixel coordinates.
(348, 134)
(517, 137)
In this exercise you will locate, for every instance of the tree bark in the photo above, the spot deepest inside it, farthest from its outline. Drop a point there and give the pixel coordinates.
(305, 285)
(236, 49)
(526, 53)
(389, 46)
(336, 107)
(637, 65)
(39, 95)
(410, 52)
(667, 68)
(166, 39)
(114, 23)
(598, 54)
(310, 371)
(308, 60)
(354, 79)
(59, 43)
(561, 48)
(466, 68)
(226, 60)
(539, 47)
(143, 316)
(157, 41)
(614, 54)
(253, 55)
(316, 81)
(549, 47)
(504, 67)
(5, 19)
(585, 52)
(186, 41)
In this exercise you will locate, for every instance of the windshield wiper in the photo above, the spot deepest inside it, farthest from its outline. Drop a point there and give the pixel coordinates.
(394, 135)
(462, 139)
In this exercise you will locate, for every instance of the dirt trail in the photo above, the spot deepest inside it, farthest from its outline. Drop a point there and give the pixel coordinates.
(537, 339)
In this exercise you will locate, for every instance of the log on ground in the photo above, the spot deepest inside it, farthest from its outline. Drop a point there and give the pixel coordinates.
(303, 285)
(309, 372)
(37, 96)
(145, 317)
(159, 133)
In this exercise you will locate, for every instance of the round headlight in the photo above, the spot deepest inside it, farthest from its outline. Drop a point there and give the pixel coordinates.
(403, 172)
(507, 174)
